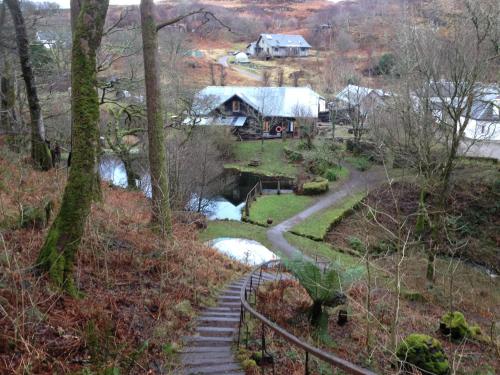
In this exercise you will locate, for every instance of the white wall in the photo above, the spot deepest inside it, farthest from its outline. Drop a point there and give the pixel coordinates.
(482, 130)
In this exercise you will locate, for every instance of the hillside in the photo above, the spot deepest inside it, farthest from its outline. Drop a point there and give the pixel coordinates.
(139, 295)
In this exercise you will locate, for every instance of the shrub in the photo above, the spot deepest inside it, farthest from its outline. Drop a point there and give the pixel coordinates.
(293, 155)
(423, 352)
(361, 164)
(318, 185)
(356, 244)
(455, 325)
(331, 174)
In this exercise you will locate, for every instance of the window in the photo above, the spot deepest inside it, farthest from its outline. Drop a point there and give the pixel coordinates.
(236, 106)
(290, 126)
(483, 128)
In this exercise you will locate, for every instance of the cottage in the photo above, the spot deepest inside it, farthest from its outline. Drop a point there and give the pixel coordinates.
(280, 45)
(357, 99)
(254, 112)
(483, 123)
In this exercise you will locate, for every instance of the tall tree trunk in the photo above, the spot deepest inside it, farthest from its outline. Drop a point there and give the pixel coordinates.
(40, 152)
(63, 239)
(7, 89)
(155, 117)
(7, 96)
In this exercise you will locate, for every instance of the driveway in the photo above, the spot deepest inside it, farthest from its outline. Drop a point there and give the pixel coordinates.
(357, 182)
(242, 72)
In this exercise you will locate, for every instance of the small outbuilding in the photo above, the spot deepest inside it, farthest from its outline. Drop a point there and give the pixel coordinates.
(241, 58)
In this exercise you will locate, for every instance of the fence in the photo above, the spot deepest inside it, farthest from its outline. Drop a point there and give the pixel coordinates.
(250, 286)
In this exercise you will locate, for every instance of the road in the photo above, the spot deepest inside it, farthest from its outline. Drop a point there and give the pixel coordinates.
(357, 182)
(223, 61)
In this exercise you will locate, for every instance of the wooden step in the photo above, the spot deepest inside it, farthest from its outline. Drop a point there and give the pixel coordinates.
(216, 331)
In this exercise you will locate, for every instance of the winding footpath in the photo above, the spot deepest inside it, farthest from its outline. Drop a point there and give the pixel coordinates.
(210, 350)
(357, 182)
(245, 73)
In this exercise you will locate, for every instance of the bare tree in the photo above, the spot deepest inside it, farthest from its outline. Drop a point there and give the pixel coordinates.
(266, 78)
(306, 124)
(123, 137)
(155, 116)
(40, 152)
(58, 253)
(280, 77)
(442, 82)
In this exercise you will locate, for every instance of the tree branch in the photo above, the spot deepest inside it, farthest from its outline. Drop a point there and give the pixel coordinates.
(207, 14)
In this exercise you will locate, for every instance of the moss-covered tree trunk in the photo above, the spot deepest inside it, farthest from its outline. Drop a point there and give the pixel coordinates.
(63, 239)
(40, 152)
(155, 117)
(7, 90)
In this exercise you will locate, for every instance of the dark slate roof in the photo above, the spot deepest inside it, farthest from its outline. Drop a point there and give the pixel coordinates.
(283, 40)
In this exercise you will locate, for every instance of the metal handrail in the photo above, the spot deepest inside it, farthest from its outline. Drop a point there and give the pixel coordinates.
(257, 189)
(333, 360)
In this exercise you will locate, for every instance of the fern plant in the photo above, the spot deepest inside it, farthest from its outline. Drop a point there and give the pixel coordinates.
(324, 285)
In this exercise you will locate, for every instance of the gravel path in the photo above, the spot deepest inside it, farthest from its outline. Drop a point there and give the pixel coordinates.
(357, 182)
(223, 61)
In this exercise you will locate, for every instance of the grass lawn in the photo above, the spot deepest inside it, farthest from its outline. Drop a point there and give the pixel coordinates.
(234, 229)
(278, 207)
(316, 226)
(272, 159)
(321, 250)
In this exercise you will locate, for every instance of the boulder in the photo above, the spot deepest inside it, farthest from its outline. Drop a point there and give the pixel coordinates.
(423, 352)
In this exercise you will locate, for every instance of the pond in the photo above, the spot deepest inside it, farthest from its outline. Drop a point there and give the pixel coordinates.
(246, 251)
(215, 208)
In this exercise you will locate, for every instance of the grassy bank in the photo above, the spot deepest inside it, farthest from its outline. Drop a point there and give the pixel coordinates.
(273, 161)
(320, 250)
(318, 225)
(277, 207)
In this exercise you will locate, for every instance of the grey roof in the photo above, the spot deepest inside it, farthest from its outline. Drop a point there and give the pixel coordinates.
(283, 40)
(483, 110)
(353, 94)
(269, 101)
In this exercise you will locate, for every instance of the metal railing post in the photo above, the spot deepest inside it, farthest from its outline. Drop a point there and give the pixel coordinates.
(307, 363)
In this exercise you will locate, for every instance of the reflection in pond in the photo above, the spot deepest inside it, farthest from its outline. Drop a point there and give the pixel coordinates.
(247, 251)
(216, 208)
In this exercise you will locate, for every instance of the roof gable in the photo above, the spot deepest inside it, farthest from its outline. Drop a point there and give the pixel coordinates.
(284, 40)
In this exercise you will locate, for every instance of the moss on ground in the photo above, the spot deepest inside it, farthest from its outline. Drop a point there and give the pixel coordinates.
(423, 352)
(273, 161)
(318, 225)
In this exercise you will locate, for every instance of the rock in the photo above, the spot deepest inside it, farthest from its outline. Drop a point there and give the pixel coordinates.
(425, 353)
(454, 324)
(269, 221)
